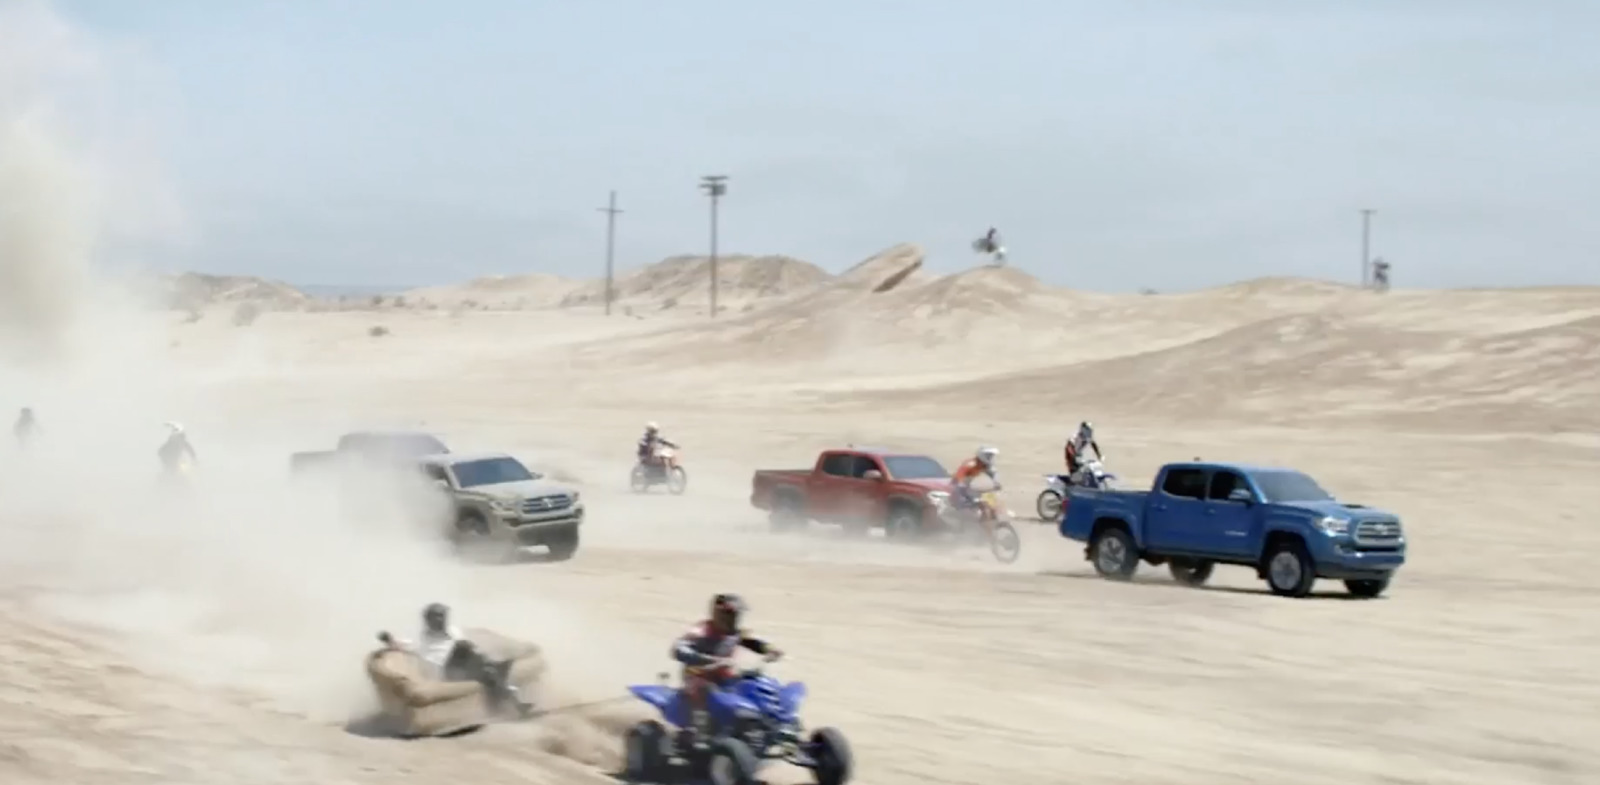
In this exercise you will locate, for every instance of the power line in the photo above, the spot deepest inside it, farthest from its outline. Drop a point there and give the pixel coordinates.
(611, 212)
(715, 186)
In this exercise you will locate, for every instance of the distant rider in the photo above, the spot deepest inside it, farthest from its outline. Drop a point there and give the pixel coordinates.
(651, 442)
(26, 428)
(991, 240)
(1077, 446)
(176, 448)
(706, 652)
(980, 465)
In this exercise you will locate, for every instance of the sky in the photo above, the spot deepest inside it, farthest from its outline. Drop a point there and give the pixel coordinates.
(1116, 145)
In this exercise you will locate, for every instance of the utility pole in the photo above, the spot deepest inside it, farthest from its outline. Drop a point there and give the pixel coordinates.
(1366, 245)
(611, 212)
(715, 185)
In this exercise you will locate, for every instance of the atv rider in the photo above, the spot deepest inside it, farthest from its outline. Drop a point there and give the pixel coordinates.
(449, 656)
(1077, 445)
(981, 464)
(176, 449)
(706, 652)
(650, 442)
(991, 240)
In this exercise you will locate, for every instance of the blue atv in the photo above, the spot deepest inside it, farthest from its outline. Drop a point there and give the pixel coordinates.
(751, 720)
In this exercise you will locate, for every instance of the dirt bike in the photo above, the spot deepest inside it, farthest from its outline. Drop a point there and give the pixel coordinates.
(1053, 498)
(664, 470)
(994, 249)
(989, 524)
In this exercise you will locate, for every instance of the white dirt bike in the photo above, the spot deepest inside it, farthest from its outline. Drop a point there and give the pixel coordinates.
(1092, 474)
(664, 470)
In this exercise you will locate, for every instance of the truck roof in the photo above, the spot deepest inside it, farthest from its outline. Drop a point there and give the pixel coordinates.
(873, 450)
(447, 459)
(1242, 468)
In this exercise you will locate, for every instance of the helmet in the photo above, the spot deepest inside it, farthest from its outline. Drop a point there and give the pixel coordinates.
(651, 427)
(175, 428)
(435, 615)
(986, 455)
(1086, 429)
(725, 611)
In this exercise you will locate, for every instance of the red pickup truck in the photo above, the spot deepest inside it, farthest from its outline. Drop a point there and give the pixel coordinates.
(858, 488)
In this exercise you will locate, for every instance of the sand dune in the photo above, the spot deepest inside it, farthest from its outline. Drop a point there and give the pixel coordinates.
(218, 636)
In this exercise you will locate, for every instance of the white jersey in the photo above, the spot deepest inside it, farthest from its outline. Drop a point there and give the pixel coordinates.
(434, 647)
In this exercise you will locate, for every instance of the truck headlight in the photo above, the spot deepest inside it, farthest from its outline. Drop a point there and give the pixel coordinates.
(1333, 527)
(577, 498)
(504, 505)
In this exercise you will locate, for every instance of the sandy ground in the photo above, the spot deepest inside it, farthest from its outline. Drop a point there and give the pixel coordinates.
(216, 637)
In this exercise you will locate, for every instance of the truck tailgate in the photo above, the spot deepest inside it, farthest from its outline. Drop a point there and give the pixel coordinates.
(765, 481)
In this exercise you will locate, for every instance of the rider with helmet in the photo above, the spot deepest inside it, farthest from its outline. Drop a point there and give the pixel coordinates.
(176, 448)
(652, 441)
(980, 465)
(706, 651)
(1077, 445)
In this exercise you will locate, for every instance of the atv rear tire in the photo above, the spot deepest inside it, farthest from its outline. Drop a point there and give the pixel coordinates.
(643, 752)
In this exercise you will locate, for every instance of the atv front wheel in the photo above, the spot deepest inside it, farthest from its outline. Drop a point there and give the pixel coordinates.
(731, 762)
(832, 763)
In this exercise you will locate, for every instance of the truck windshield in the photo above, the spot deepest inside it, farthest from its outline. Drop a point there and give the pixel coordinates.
(491, 471)
(914, 467)
(1281, 487)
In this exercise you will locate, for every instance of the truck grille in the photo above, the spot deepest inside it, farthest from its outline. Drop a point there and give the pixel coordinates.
(1378, 534)
(547, 503)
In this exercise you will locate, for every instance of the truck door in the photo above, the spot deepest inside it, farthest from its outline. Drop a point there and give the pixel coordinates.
(1173, 512)
(862, 501)
(830, 486)
(1228, 527)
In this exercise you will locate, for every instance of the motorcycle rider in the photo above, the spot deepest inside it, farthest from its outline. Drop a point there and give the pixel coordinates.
(176, 448)
(650, 442)
(979, 465)
(706, 651)
(1077, 445)
(449, 656)
(26, 427)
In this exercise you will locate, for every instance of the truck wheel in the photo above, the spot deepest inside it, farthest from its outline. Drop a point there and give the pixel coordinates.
(563, 546)
(904, 523)
(1289, 569)
(1368, 588)
(1191, 572)
(1049, 505)
(1114, 554)
(785, 515)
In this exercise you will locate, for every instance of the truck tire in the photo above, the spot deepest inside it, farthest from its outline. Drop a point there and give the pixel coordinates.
(904, 522)
(1368, 588)
(1191, 572)
(786, 516)
(562, 546)
(1288, 568)
(1114, 554)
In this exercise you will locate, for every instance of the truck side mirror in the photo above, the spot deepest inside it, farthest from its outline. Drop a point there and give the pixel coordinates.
(872, 474)
(1242, 495)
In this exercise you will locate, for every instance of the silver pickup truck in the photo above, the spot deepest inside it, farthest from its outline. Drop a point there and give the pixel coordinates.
(501, 503)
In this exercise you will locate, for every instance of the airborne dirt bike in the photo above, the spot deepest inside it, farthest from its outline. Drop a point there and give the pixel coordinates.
(664, 470)
(1054, 497)
(989, 523)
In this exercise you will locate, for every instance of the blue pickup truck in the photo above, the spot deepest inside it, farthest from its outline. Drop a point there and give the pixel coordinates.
(1198, 515)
